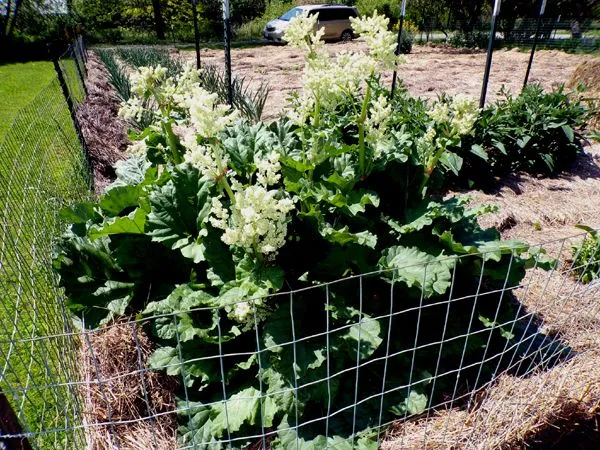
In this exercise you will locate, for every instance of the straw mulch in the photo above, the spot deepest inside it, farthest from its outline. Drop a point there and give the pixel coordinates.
(588, 73)
(558, 408)
(105, 134)
(540, 210)
(118, 389)
(568, 308)
(545, 410)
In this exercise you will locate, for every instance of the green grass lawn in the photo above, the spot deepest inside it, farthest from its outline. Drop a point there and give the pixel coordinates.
(41, 169)
(19, 84)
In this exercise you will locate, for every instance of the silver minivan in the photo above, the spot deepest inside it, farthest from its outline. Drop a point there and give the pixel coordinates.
(334, 19)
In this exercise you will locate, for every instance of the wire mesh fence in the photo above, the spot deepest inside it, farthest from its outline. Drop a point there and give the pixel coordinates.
(553, 33)
(336, 363)
(42, 167)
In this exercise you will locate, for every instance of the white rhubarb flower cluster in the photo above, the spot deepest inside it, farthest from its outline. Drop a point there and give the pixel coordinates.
(460, 114)
(301, 32)
(381, 42)
(132, 109)
(241, 311)
(145, 79)
(426, 144)
(329, 80)
(257, 218)
(376, 125)
(465, 113)
(209, 160)
(137, 148)
(156, 94)
(268, 169)
(257, 221)
(207, 116)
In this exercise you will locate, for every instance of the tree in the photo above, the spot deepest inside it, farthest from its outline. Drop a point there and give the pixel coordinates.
(9, 10)
(427, 14)
(159, 23)
(577, 11)
(467, 12)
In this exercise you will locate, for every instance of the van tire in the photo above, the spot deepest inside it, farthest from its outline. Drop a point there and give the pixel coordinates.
(347, 35)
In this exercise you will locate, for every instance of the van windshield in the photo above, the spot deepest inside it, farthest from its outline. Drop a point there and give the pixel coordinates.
(291, 14)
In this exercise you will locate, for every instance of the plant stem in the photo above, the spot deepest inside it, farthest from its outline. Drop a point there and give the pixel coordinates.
(361, 130)
(430, 167)
(222, 170)
(256, 252)
(173, 142)
(315, 142)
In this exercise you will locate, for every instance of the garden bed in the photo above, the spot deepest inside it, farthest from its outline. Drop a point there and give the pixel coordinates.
(135, 216)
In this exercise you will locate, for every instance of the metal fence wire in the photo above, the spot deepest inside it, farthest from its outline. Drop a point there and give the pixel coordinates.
(96, 389)
(42, 168)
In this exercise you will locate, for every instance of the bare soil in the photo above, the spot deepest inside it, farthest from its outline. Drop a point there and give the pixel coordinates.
(428, 70)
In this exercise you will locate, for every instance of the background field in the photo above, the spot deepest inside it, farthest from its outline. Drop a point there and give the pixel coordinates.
(428, 71)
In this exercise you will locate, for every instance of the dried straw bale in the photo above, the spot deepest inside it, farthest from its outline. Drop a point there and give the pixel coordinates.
(541, 210)
(118, 388)
(546, 409)
(588, 73)
(515, 413)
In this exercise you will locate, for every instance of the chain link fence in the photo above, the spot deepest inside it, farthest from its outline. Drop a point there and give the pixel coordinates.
(554, 33)
(42, 168)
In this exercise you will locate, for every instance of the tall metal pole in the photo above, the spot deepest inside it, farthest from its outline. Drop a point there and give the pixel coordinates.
(535, 40)
(488, 62)
(400, 25)
(196, 33)
(227, 25)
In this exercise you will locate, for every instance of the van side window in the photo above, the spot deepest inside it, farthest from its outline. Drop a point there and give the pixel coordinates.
(341, 13)
(328, 14)
(325, 15)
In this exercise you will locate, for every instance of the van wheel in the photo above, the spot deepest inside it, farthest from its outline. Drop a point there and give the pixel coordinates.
(347, 35)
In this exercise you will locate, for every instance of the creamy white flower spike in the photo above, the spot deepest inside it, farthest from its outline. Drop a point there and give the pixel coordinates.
(328, 80)
(381, 42)
(207, 116)
(257, 220)
(241, 311)
(146, 78)
(303, 107)
(209, 160)
(268, 169)
(465, 113)
(138, 148)
(440, 112)
(132, 109)
(426, 143)
(376, 125)
(157, 95)
(460, 114)
(301, 32)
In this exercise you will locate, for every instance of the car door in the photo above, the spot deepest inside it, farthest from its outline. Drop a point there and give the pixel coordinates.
(321, 20)
(337, 22)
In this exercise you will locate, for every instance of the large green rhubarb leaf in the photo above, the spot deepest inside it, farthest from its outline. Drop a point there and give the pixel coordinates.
(417, 269)
(179, 210)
